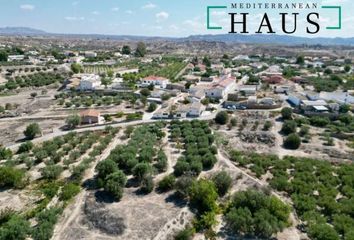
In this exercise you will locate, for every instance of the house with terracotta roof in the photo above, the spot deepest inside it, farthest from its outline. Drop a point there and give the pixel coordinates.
(155, 81)
(221, 88)
(91, 116)
(273, 79)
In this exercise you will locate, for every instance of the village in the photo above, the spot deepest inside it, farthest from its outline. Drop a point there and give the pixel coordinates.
(124, 140)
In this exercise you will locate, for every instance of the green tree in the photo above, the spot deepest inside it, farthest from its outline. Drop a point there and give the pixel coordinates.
(202, 196)
(167, 183)
(140, 50)
(287, 113)
(183, 185)
(267, 125)
(5, 153)
(300, 60)
(222, 118)
(73, 121)
(206, 61)
(141, 170)
(126, 50)
(222, 181)
(69, 191)
(253, 212)
(289, 127)
(152, 107)
(240, 220)
(25, 147)
(347, 68)
(322, 232)
(51, 172)
(344, 108)
(3, 56)
(185, 234)
(293, 141)
(32, 131)
(11, 177)
(76, 68)
(17, 228)
(147, 184)
(115, 183)
(145, 92)
(105, 168)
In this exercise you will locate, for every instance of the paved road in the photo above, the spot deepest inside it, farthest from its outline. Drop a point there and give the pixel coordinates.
(58, 132)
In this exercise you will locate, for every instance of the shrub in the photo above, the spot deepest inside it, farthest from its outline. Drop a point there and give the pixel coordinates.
(106, 167)
(16, 228)
(51, 172)
(73, 121)
(167, 183)
(293, 141)
(5, 153)
(25, 147)
(289, 127)
(202, 196)
(11, 177)
(186, 234)
(319, 121)
(322, 232)
(183, 185)
(267, 125)
(222, 118)
(255, 213)
(147, 184)
(287, 113)
(181, 168)
(32, 131)
(69, 191)
(205, 221)
(222, 181)
(115, 183)
(152, 107)
(141, 170)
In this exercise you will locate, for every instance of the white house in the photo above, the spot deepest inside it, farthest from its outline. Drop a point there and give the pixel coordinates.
(195, 109)
(248, 90)
(13, 58)
(337, 96)
(89, 82)
(220, 89)
(90, 54)
(155, 81)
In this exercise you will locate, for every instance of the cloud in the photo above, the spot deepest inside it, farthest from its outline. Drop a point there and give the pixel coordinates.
(27, 7)
(218, 13)
(74, 18)
(161, 16)
(95, 13)
(115, 9)
(75, 3)
(129, 12)
(195, 25)
(149, 6)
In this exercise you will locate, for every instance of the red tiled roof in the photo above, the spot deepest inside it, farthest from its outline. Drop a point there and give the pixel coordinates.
(154, 78)
(90, 113)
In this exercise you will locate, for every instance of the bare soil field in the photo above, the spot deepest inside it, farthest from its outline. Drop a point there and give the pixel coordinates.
(12, 131)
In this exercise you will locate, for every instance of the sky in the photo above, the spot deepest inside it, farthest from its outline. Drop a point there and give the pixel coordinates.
(174, 18)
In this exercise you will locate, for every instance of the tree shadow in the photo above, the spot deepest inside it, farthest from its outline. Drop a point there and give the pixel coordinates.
(176, 200)
(104, 197)
(90, 184)
(132, 183)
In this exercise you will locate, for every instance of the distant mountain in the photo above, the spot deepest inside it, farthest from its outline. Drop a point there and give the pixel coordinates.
(226, 38)
(21, 31)
(271, 39)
